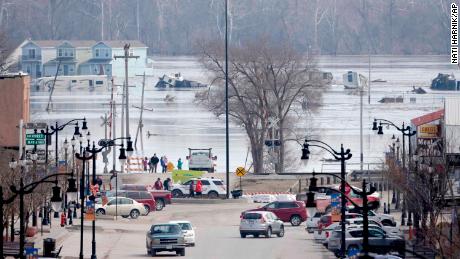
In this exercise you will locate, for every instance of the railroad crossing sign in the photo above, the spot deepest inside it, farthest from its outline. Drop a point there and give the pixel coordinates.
(240, 171)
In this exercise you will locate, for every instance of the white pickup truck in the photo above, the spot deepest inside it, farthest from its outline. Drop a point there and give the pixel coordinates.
(201, 159)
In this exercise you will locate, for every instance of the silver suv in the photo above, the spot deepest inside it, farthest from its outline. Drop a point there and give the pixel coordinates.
(257, 223)
(379, 242)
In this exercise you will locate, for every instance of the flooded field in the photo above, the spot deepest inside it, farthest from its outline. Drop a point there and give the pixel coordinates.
(184, 124)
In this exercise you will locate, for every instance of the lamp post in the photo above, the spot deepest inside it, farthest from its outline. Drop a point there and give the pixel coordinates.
(90, 154)
(55, 130)
(406, 131)
(122, 158)
(311, 206)
(93, 151)
(56, 202)
(84, 157)
(341, 156)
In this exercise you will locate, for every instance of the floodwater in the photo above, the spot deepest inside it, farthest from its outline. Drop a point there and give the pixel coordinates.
(184, 124)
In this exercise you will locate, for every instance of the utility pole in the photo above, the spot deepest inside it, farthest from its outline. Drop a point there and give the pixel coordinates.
(126, 85)
(142, 108)
(369, 80)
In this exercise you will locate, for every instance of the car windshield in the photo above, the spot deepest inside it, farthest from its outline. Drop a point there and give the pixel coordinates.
(165, 229)
(218, 182)
(185, 226)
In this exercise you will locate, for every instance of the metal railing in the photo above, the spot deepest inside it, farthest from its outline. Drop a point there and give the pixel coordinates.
(29, 57)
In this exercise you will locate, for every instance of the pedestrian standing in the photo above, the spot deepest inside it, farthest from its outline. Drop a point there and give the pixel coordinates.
(179, 164)
(158, 185)
(145, 163)
(198, 187)
(191, 189)
(154, 161)
(170, 184)
(166, 184)
(162, 163)
(165, 161)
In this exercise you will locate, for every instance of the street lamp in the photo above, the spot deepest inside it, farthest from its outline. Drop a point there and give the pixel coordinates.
(84, 156)
(13, 163)
(406, 131)
(56, 199)
(310, 204)
(341, 156)
(23, 190)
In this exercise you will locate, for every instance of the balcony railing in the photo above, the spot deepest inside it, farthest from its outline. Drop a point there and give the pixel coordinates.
(28, 57)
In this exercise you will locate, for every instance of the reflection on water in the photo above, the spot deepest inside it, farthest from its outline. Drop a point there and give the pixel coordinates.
(184, 124)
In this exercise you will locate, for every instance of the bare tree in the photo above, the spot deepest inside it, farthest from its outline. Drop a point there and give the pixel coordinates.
(265, 81)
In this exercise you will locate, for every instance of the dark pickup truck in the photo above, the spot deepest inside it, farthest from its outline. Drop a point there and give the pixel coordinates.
(162, 197)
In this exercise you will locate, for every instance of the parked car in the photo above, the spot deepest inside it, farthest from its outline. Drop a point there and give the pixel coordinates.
(261, 223)
(385, 219)
(165, 237)
(162, 197)
(124, 207)
(394, 231)
(143, 197)
(188, 230)
(355, 223)
(379, 242)
(312, 222)
(263, 198)
(211, 187)
(288, 211)
(324, 230)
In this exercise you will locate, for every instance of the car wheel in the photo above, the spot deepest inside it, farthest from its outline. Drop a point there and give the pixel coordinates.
(281, 233)
(147, 210)
(243, 235)
(213, 195)
(177, 194)
(295, 220)
(153, 252)
(268, 234)
(134, 214)
(100, 212)
(182, 252)
(124, 216)
(160, 204)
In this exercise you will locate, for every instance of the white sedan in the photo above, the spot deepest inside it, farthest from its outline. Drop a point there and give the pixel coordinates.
(188, 230)
(122, 206)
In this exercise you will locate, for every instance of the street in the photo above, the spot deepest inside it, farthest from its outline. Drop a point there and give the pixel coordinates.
(217, 236)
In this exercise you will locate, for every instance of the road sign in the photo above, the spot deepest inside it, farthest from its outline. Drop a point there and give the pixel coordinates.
(35, 136)
(35, 142)
(240, 171)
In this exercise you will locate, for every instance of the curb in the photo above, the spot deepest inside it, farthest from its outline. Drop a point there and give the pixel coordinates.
(209, 201)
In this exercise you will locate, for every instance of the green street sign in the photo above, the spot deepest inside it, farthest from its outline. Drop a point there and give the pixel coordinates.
(35, 136)
(35, 142)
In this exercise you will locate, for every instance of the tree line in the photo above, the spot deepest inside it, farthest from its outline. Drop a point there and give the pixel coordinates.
(174, 27)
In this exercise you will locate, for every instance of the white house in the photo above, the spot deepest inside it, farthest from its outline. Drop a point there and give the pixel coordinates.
(81, 57)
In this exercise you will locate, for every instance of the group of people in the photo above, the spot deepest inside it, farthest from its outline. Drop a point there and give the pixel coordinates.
(165, 185)
(152, 164)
